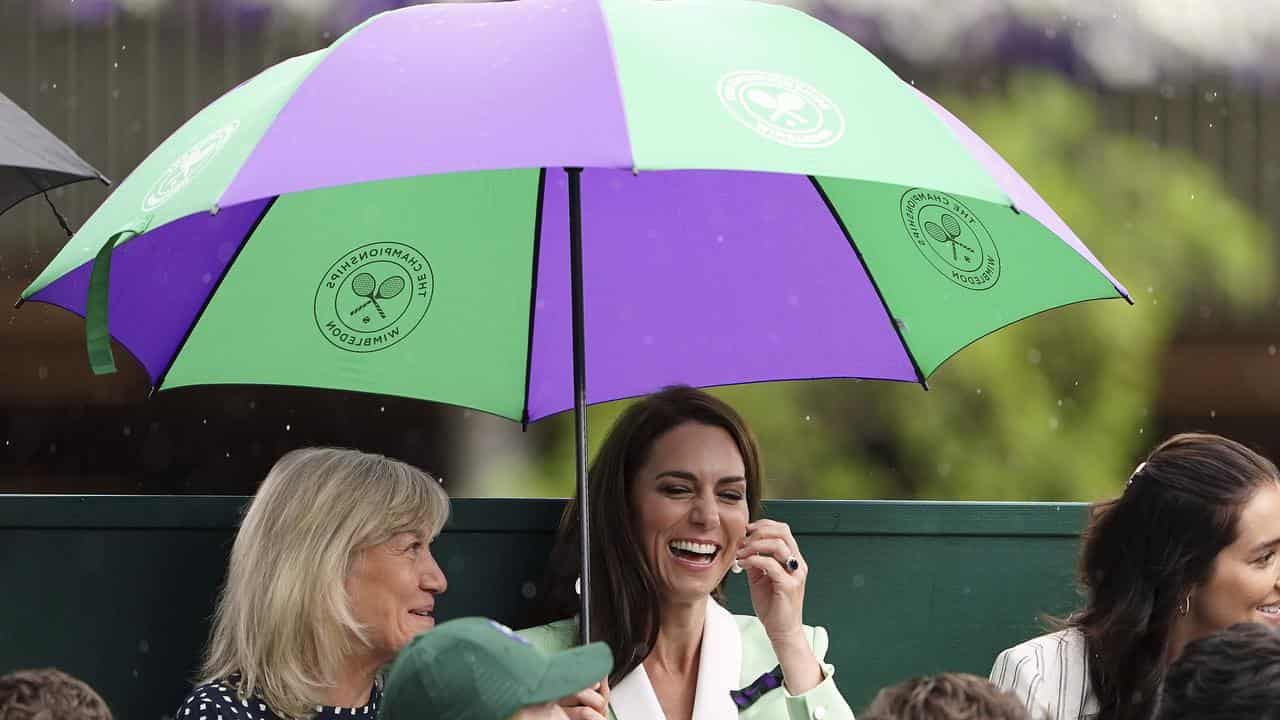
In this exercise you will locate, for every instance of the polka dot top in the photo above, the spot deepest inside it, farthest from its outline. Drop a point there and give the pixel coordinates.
(218, 701)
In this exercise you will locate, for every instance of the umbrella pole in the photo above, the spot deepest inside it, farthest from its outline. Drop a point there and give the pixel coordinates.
(580, 395)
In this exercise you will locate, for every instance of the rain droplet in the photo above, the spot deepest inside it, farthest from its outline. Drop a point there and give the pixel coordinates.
(287, 428)
(1271, 350)
(979, 391)
(1053, 423)
(806, 418)
(126, 431)
(1033, 356)
(382, 409)
(43, 371)
(1213, 413)
(1059, 403)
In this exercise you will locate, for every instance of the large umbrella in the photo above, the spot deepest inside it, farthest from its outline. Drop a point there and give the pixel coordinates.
(34, 161)
(488, 204)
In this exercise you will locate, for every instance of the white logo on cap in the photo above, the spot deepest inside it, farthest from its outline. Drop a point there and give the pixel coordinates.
(507, 631)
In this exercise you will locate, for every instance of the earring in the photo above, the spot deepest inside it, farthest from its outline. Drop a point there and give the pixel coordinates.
(737, 568)
(577, 586)
(1185, 606)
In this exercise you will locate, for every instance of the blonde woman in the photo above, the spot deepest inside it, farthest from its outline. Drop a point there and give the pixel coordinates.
(330, 576)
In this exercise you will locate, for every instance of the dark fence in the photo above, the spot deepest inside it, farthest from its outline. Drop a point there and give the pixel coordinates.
(117, 590)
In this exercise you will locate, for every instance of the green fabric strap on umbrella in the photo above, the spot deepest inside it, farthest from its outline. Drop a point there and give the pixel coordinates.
(97, 333)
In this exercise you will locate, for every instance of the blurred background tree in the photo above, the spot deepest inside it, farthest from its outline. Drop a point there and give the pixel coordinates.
(1059, 406)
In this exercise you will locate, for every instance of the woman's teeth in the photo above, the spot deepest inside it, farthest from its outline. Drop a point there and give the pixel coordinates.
(1272, 610)
(700, 552)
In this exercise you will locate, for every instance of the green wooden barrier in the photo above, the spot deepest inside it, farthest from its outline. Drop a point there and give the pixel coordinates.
(117, 590)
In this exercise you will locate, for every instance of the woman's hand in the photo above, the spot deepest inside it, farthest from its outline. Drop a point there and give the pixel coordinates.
(590, 704)
(768, 554)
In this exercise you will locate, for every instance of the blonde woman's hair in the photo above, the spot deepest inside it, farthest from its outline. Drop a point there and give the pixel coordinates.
(283, 622)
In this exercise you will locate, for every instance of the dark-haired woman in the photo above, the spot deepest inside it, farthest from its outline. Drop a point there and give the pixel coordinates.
(1188, 548)
(675, 505)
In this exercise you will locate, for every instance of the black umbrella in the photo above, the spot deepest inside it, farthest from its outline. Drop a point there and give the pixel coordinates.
(34, 161)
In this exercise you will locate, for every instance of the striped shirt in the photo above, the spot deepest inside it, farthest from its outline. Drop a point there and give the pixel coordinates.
(1050, 675)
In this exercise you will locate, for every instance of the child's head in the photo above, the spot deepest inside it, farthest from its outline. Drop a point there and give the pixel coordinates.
(51, 694)
(1233, 673)
(948, 696)
(476, 669)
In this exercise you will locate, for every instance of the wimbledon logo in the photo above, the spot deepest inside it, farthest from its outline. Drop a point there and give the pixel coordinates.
(781, 108)
(373, 296)
(187, 166)
(951, 237)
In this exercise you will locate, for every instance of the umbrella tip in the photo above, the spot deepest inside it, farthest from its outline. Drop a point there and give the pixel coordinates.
(1015, 209)
(214, 210)
(18, 304)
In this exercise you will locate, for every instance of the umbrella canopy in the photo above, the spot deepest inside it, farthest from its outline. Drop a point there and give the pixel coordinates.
(489, 204)
(32, 159)
(763, 200)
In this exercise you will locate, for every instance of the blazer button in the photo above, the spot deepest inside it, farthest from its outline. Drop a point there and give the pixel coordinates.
(819, 713)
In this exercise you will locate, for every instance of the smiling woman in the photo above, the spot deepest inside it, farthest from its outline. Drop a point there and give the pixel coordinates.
(1190, 547)
(675, 506)
(331, 574)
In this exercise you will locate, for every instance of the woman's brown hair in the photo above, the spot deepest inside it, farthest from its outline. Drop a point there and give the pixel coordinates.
(1145, 551)
(624, 590)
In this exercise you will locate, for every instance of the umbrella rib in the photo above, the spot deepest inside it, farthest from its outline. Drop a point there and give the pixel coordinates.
(248, 237)
(533, 296)
(920, 377)
(65, 179)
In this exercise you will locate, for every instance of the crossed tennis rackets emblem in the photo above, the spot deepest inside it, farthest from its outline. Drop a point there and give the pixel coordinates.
(364, 285)
(949, 232)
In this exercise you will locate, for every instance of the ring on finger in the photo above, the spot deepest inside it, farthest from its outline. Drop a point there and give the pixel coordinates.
(791, 564)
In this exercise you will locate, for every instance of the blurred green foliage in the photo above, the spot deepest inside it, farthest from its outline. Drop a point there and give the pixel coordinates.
(1055, 407)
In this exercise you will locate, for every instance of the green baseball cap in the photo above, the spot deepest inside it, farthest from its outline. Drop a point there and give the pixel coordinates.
(477, 669)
